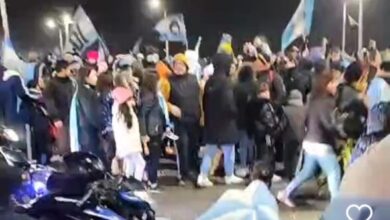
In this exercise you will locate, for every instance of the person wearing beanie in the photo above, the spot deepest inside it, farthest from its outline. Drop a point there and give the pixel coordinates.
(295, 131)
(220, 128)
(184, 106)
(127, 134)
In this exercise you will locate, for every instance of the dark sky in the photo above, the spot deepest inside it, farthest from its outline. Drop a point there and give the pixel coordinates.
(121, 22)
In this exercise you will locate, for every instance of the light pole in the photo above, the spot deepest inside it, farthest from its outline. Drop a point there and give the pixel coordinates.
(343, 41)
(360, 38)
(64, 23)
(157, 5)
(51, 24)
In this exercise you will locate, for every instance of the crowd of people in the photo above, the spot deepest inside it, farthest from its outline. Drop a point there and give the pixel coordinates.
(319, 106)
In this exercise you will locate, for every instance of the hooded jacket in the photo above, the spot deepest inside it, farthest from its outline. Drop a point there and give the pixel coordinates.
(219, 105)
(244, 90)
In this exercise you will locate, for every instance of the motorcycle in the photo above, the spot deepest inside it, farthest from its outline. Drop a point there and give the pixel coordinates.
(108, 197)
(34, 176)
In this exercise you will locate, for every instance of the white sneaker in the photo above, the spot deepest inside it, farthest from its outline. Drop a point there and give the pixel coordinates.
(281, 197)
(242, 172)
(203, 181)
(233, 180)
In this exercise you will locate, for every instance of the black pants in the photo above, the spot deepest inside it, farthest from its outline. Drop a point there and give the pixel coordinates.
(188, 147)
(153, 159)
(290, 158)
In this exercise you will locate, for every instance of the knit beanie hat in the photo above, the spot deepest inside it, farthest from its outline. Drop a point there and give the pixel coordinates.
(180, 57)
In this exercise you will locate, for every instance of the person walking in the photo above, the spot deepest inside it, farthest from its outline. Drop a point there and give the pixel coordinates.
(320, 140)
(220, 121)
(184, 106)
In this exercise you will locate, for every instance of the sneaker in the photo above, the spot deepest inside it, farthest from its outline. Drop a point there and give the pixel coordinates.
(285, 200)
(233, 180)
(154, 188)
(242, 172)
(203, 181)
(181, 182)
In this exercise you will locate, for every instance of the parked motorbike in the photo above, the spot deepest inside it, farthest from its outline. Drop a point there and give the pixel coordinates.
(107, 197)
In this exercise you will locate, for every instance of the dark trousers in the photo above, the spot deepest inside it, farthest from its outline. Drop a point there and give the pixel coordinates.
(153, 159)
(290, 158)
(188, 147)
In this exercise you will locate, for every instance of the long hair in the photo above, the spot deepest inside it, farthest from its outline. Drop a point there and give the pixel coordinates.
(125, 112)
(323, 76)
(150, 82)
(105, 82)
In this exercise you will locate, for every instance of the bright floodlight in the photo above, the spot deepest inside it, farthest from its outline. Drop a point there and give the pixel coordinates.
(50, 23)
(66, 19)
(155, 4)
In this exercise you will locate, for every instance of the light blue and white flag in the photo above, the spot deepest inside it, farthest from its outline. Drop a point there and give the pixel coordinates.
(172, 28)
(83, 34)
(300, 23)
(9, 58)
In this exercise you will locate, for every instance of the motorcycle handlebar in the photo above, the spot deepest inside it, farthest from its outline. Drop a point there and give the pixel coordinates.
(85, 197)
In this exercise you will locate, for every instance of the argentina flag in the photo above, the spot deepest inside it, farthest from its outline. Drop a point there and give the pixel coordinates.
(300, 23)
(172, 28)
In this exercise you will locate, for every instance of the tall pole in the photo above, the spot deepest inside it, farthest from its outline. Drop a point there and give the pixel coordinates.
(344, 26)
(360, 41)
(61, 40)
(4, 18)
(166, 42)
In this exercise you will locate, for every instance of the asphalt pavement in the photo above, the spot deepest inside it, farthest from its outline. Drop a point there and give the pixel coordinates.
(187, 203)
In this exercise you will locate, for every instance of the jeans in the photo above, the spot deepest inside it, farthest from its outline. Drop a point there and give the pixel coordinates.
(188, 147)
(228, 154)
(153, 159)
(246, 148)
(326, 160)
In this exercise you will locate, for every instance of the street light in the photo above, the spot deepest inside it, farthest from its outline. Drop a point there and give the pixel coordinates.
(50, 23)
(155, 4)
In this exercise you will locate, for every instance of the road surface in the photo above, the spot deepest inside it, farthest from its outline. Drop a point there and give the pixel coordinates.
(186, 203)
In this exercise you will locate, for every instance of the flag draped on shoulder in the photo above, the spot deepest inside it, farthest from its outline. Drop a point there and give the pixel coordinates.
(300, 23)
(83, 34)
(172, 28)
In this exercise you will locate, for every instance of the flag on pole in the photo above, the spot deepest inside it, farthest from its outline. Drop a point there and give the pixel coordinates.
(172, 28)
(9, 58)
(352, 22)
(300, 23)
(83, 34)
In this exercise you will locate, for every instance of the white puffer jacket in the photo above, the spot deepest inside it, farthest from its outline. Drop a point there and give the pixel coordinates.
(128, 141)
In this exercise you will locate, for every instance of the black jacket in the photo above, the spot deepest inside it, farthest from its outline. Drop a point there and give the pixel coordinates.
(262, 118)
(58, 97)
(243, 93)
(321, 126)
(219, 105)
(89, 120)
(185, 94)
(295, 130)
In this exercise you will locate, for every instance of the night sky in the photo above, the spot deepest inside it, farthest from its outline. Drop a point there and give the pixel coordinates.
(121, 22)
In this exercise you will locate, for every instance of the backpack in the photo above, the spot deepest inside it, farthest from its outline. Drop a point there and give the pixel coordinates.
(155, 120)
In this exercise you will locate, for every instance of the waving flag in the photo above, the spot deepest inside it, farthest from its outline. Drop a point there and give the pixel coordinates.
(225, 45)
(352, 22)
(10, 59)
(83, 34)
(172, 28)
(300, 23)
